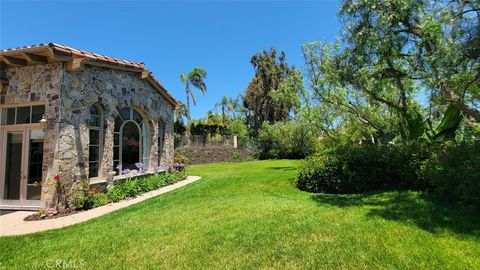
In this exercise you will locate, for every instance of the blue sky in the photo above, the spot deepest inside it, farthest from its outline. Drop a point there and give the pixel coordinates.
(174, 37)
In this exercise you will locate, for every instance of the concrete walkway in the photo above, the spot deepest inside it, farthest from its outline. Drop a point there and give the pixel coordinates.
(13, 223)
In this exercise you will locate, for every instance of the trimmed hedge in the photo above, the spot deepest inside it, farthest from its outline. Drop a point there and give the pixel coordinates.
(359, 168)
(450, 171)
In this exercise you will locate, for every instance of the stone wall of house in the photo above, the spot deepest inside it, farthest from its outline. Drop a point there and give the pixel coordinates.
(67, 97)
(112, 90)
(38, 83)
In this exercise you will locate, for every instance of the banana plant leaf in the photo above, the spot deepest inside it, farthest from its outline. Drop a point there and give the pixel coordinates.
(448, 126)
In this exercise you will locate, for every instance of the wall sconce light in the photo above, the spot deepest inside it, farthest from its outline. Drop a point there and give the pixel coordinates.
(43, 122)
(46, 121)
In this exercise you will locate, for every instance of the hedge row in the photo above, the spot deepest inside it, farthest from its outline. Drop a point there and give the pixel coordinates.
(450, 171)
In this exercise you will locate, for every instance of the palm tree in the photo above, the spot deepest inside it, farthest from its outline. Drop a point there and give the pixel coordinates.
(234, 105)
(224, 105)
(195, 78)
(180, 113)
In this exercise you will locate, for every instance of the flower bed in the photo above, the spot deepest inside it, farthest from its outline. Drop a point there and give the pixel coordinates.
(84, 198)
(132, 187)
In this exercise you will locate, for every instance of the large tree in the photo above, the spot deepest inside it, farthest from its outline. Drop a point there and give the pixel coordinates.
(392, 51)
(270, 73)
(337, 105)
(195, 78)
(412, 45)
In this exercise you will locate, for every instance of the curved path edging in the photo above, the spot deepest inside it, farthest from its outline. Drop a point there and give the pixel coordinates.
(13, 223)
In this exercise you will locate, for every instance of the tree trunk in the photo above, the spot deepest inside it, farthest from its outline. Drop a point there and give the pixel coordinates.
(188, 107)
(223, 115)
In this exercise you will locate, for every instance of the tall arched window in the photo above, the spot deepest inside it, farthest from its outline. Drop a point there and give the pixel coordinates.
(95, 146)
(130, 141)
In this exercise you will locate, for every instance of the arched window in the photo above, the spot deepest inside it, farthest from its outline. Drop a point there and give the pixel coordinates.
(130, 141)
(95, 146)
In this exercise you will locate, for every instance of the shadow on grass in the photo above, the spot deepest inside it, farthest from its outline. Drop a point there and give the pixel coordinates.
(282, 168)
(418, 209)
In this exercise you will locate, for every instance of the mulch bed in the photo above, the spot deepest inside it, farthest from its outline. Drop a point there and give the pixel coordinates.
(61, 213)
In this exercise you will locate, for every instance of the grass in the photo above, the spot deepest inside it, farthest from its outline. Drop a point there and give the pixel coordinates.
(250, 215)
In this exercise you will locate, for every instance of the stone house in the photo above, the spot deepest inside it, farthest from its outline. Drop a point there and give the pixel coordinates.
(79, 115)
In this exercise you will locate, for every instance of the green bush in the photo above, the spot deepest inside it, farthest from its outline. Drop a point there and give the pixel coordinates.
(180, 160)
(321, 173)
(201, 128)
(133, 187)
(453, 171)
(450, 171)
(116, 193)
(81, 197)
(285, 140)
(359, 168)
(99, 199)
(84, 198)
(239, 128)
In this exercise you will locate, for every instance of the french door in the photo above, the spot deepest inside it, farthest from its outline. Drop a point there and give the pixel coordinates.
(21, 160)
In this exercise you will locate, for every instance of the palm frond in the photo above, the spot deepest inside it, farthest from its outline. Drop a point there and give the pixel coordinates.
(183, 78)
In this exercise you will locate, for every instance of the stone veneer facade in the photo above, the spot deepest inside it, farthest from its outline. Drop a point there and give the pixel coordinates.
(67, 97)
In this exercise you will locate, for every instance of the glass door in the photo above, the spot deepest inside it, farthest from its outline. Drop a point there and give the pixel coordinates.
(13, 166)
(34, 165)
(21, 168)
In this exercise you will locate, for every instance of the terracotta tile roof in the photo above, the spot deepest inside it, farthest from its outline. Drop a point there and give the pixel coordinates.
(69, 52)
(24, 47)
(93, 56)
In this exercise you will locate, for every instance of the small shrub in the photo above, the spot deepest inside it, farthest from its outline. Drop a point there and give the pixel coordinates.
(99, 199)
(147, 184)
(321, 174)
(235, 155)
(117, 193)
(180, 162)
(83, 198)
(131, 187)
(80, 197)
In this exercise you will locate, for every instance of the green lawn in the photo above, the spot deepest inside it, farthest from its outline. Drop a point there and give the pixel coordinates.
(250, 215)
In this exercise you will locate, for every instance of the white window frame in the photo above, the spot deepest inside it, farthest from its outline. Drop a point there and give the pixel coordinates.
(100, 129)
(20, 105)
(144, 144)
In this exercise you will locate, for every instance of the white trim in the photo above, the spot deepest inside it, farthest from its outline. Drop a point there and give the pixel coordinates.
(144, 138)
(120, 148)
(22, 104)
(16, 207)
(22, 202)
(124, 176)
(100, 141)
